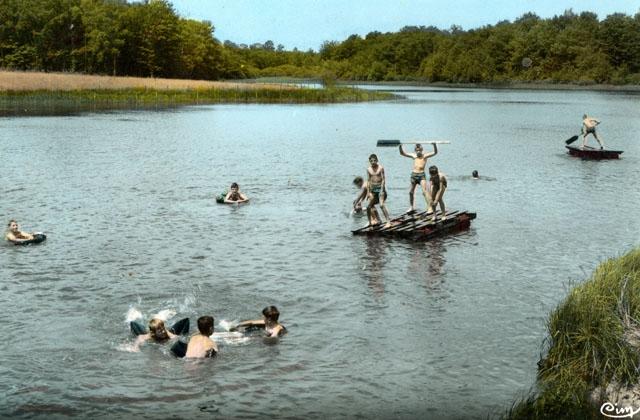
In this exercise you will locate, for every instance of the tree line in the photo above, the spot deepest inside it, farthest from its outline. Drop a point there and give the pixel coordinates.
(150, 39)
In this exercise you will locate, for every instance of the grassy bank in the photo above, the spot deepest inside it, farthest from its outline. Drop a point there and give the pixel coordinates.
(24, 93)
(588, 344)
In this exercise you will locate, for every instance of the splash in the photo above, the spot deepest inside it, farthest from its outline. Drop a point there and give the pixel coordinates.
(133, 314)
(165, 314)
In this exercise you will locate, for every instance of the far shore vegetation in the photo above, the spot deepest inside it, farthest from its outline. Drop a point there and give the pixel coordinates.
(149, 39)
(593, 341)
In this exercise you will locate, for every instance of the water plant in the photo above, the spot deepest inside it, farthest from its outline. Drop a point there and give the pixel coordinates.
(588, 345)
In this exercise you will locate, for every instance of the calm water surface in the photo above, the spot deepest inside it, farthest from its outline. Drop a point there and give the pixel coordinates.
(377, 328)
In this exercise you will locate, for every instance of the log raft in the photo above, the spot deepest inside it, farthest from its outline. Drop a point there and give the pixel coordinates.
(421, 225)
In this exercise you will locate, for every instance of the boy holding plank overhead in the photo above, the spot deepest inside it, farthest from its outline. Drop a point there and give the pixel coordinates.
(417, 174)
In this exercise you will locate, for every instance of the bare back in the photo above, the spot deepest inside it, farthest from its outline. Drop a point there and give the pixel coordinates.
(200, 346)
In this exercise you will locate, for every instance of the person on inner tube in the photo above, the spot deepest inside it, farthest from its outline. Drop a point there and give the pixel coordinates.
(235, 196)
(269, 322)
(201, 345)
(157, 333)
(15, 235)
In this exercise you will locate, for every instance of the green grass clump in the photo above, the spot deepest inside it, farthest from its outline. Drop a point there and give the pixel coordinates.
(586, 344)
(20, 102)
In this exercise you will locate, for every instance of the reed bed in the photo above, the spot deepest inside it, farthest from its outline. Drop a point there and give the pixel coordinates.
(17, 81)
(586, 345)
(50, 94)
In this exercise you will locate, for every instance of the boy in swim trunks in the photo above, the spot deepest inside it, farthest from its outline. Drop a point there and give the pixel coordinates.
(15, 235)
(438, 187)
(157, 333)
(589, 127)
(377, 192)
(235, 196)
(201, 345)
(417, 174)
(362, 194)
(269, 322)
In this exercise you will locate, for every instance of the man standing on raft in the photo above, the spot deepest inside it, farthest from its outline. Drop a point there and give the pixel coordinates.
(377, 192)
(589, 127)
(417, 174)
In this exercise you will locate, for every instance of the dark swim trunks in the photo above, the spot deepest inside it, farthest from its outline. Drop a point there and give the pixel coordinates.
(417, 178)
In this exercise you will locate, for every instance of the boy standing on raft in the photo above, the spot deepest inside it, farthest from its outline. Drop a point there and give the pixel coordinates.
(376, 188)
(589, 127)
(201, 345)
(417, 174)
(438, 187)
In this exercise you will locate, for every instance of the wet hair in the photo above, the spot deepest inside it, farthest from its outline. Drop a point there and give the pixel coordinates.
(12, 221)
(474, 174)
(234, 185)
(358, 180)
(157, 330)
(205, 325)
(271, 313)
(584, 116)
(433, 170)
(373, 155)
(418, 146)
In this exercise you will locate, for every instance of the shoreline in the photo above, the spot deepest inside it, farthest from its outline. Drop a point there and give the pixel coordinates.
(519, 85)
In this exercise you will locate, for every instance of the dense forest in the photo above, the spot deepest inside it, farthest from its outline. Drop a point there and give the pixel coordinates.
(149, 38)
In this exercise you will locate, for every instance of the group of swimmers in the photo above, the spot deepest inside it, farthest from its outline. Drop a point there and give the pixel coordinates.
(201, 345)
(374, 191)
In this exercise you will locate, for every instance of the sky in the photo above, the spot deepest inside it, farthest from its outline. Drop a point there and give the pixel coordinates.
(306, 24)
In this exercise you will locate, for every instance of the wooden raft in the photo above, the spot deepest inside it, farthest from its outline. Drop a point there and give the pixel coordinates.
(420, 225)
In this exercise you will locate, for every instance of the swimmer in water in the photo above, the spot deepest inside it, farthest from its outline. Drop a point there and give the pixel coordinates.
(15, 235)
(269, 322)
(234, 196)
(475, 175)
(201, 345)
(157, 333)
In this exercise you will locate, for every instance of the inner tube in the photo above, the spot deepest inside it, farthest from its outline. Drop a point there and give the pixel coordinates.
(181, 327)
(220, 197)
(179, 349)
(37, 238)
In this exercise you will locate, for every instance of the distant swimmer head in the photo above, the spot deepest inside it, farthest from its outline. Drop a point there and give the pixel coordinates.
(433, 170)
(271, 314)
(584, 116)
(358, 181)
(474, 174)
(157, 330)
(205, 325)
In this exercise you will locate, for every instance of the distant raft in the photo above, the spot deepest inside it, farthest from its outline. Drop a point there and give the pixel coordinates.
(420, 225)
(37, 238)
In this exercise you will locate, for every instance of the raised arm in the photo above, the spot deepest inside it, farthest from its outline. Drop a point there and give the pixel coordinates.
(402, 153)
(435, 151)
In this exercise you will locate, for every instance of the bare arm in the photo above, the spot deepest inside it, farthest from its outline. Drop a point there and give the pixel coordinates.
(402, 153)
(25, 237)
(441, 190)
(250, 323)
(360, 197)
(435, 151)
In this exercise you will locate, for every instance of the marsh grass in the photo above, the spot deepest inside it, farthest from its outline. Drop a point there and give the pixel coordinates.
(53, 94)
(586, 345)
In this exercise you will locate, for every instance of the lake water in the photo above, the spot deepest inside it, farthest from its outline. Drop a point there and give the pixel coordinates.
(378, 328)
